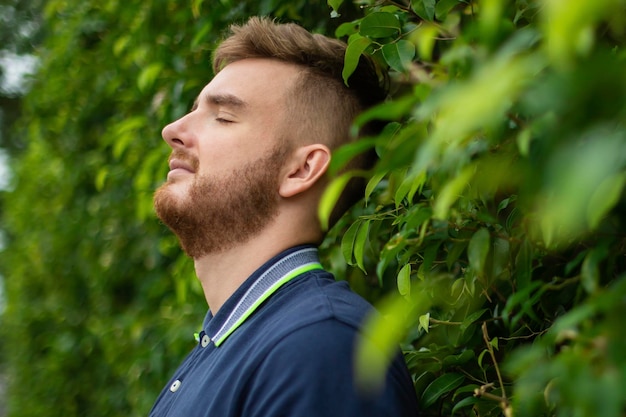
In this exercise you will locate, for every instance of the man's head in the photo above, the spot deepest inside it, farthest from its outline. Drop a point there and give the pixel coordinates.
(260, 134)
(321, 107)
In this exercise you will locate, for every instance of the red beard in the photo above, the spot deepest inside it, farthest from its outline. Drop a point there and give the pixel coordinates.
(220, 212)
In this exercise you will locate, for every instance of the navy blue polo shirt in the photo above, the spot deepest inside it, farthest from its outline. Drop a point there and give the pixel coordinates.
(283, 345)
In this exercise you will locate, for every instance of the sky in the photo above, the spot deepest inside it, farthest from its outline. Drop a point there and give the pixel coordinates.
(4, 174)
(15, 69)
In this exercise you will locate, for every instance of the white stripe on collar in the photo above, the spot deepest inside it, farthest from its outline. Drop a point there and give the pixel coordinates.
(281, 272)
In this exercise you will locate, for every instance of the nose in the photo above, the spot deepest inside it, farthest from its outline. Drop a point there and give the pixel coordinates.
(175, 134)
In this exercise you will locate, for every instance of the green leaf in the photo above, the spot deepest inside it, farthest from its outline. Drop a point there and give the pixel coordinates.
(330, 197)
(457, 288)
(416, 216)
(465, 402)
(478, 249)
(360, 243)
(195, 7)
(604, 198)
(464, 390)
(399, 55)
(574, 175)
(501, 258)
(403, 145)
(494, 343)
(524, 138)
(380, 25)
(460, 359)
(356, 46)
(425, 9)
(403, 189)
(125, 134)
(425, 374)
(335, 4)
(425, 38)
(472, 318)
(505, 203)
(481, 356)
(344, 154)
(388, 110)
(388, 255)
(381, 335)
(201, 35)
(451, 192)
(148, 76)
(522, 299)
(424, 322)
(430, 254)
(454, 252)
(575, 263)
(347, 29)
(404, 280)
(439, 387)
(602, 301)
(417, 184)
(590, 269)
(524, 265)
(443, 7)
(120, 45)
(347, 242)
(101, 177)
(372, 183)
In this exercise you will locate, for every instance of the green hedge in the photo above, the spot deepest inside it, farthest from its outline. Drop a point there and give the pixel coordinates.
(492, 233)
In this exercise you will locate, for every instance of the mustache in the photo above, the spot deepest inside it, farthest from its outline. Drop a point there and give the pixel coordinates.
(185, 157)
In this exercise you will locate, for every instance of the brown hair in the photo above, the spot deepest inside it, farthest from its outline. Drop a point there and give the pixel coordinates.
(322, 107)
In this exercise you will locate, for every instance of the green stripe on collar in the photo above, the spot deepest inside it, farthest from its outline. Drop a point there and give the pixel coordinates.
(271, 290)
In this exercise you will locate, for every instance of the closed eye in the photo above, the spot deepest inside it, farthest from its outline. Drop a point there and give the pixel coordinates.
(223, 121)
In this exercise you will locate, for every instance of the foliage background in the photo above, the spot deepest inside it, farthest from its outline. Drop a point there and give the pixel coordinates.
(492, 235)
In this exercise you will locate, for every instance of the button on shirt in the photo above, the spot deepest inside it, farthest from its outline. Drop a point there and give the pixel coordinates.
(283, 345)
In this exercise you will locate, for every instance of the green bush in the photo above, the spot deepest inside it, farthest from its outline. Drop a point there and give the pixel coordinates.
(492, 234)
(498, 205)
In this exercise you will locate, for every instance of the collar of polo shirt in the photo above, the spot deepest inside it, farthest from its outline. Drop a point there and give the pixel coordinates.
(277, 274)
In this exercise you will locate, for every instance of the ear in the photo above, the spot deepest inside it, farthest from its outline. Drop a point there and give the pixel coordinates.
(305, 167)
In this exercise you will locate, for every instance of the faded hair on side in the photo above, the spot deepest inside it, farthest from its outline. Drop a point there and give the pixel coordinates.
(322, 107)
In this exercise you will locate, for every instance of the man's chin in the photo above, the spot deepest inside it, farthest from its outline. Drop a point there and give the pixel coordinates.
(168, 198)
(177, 190)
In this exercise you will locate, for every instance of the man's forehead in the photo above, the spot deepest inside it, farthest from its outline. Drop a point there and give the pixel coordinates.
(221, 99)
(247, 77)
(249, 83)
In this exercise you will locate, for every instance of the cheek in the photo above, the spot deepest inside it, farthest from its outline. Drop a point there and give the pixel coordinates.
(234, 146)
(225, 161)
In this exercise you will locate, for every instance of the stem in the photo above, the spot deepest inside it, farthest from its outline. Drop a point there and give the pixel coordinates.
(447, 323)
(493, 358)
(399, 6)
(489, 396)
(503, 401)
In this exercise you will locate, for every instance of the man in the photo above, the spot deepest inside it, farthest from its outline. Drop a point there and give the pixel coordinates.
(247, 169)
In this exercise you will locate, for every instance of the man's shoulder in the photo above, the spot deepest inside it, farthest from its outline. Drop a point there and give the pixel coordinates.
(312, 305)
(317, 296)
(309, 355)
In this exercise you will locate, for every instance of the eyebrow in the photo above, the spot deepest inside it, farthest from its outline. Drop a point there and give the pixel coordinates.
(226, 100)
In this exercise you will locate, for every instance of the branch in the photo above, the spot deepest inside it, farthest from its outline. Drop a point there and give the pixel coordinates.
(493, 358)
(504, 402)
(447, 323)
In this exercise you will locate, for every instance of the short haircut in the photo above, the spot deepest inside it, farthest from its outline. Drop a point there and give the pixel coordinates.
(322, 107)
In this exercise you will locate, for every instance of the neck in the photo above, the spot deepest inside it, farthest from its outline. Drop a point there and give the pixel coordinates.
(221, 273)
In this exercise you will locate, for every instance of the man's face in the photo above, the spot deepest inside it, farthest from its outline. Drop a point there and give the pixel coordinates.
(227, 155)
